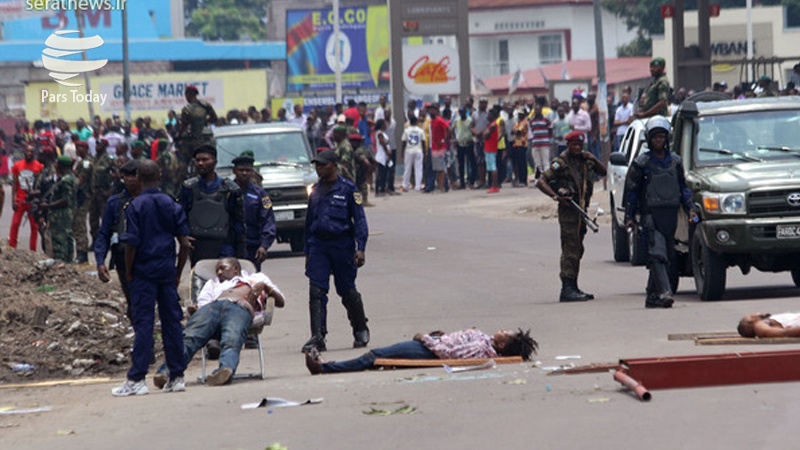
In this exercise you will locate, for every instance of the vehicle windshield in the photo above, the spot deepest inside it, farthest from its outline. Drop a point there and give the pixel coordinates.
(268, 148)
(754, 136)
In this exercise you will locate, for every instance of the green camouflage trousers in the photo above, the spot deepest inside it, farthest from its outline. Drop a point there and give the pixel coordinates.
(572, 232)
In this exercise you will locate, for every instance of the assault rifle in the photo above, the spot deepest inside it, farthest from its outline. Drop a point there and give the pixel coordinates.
(591, 223)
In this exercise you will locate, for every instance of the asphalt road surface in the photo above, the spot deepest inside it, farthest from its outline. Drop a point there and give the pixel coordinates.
(452, 261)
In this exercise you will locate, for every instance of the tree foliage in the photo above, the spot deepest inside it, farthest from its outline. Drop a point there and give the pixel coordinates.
(226, 20)
(644, 16)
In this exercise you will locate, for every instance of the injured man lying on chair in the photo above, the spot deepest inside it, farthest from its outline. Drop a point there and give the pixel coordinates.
(227, 306)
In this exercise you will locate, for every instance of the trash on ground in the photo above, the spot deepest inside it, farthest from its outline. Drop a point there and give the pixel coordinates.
(598, 400)
(405, 409)
(65, 432)
(17, 410)
(518, 381)
(565, 357)
(277, 402)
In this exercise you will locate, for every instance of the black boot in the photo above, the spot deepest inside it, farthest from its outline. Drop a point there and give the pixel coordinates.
(358, 319)
(81, 257)
(570, 292)
(317, 340)
(588, 295)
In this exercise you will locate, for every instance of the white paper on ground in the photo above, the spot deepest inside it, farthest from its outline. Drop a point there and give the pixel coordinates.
(277, 402)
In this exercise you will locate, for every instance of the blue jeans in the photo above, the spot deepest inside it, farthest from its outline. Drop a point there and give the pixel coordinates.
(226, 319)
(404, 350)
(145, 295)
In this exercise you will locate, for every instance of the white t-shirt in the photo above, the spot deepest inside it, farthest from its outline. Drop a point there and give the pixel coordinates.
(381, 151)
(622, 115)
(213, 287)
(413, 137)
(788, 320)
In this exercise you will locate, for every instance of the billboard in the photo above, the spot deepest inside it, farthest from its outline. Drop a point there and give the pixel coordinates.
(431, 70)
(364, 38)
(151, 94)
(147, 18)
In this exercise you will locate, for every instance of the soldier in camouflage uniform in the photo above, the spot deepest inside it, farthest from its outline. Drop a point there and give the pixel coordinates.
(59, 208)
(345, 153)
(569, 177)
(194, 118)
(84, 175)
(102, 185)
(41, 191)
(169, 168)
(656, 95)
(365, 165)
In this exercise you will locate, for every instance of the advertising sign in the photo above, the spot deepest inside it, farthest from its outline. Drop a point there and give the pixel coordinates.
(430, 70)
(310, 50)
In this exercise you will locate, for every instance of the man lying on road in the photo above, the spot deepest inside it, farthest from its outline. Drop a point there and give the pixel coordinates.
(770, 325)
(227, 305)
(471, 343)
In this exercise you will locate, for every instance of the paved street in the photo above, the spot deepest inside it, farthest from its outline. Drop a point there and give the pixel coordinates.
(451, 261)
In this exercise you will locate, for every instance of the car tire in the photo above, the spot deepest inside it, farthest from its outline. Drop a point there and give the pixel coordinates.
(619, 239)
(297, 243)
(709, 270)
(796, 276)
(637, 247)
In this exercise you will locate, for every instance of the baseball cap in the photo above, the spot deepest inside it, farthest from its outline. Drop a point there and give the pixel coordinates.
(325, 157)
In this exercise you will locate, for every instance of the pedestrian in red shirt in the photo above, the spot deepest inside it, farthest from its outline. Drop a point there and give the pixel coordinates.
(24, 173)
(490, 138)
(438, 145)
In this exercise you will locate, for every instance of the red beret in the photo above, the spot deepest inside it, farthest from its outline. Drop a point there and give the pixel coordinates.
(191, 88)
(355, 137)
(575, 136)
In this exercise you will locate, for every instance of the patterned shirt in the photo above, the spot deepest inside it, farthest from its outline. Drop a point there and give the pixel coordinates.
(540, 129)
(657, 90)
(471, 343)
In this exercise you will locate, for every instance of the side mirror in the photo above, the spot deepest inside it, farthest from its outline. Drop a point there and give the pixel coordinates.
(618, 159)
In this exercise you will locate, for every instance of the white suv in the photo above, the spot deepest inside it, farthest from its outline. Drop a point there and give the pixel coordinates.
(626, 244)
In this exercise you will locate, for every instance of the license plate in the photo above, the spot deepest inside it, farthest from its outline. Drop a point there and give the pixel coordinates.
(284, 215)
(787, 231)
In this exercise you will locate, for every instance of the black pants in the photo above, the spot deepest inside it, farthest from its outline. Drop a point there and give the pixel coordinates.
(502, 170)
(466, 164)
(380, 181)
(390, 172)
(520, 164)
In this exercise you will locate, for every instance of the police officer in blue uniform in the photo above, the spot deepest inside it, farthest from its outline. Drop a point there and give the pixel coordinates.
(153, 220)
(259, 218)
(213, 209)
(336, 237)
(111, 228)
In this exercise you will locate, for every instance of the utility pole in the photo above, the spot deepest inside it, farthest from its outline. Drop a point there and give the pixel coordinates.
(337, 51)
(126, 75)
(79, 17)
(602, 89)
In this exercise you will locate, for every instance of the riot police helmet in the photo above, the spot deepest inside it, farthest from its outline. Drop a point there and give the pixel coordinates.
(657, 123)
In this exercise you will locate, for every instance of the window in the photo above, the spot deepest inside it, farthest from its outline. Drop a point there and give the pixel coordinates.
(503, 57)
(550, 49)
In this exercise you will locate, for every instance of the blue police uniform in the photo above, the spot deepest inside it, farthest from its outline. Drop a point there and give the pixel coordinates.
(214, 224)
(259, 220)
(106, 240)
(153, 221)
(336, 227)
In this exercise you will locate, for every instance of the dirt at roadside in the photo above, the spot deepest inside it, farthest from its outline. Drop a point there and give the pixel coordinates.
(59, 319)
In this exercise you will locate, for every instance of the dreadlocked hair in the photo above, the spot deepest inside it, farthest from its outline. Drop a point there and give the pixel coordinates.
(521, 344)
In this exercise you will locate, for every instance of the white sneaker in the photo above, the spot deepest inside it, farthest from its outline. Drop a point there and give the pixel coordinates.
(176, 384)
(130, 387)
